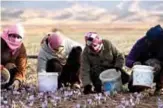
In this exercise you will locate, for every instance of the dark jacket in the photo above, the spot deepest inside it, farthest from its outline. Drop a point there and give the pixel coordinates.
(108, 57)
(19, 59)
(143, 50)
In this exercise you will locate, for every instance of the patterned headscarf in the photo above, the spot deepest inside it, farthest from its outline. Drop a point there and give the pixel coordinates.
(93, 41)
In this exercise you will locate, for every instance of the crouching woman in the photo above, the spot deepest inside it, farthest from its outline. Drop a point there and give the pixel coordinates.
(148, 51)
(13, 56)
(53, 54)
(99, 55)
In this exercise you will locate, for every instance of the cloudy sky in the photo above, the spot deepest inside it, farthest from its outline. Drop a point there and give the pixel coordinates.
(118, 12)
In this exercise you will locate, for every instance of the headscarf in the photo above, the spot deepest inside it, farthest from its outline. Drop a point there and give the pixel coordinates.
(45, 37)
(13, 43)
(93, 41)
(155, 33)
(56, 44)
(55, 41)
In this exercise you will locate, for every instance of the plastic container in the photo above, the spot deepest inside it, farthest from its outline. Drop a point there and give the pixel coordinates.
(5, 76)
(143, 76)
(111, 80)
(47, 81)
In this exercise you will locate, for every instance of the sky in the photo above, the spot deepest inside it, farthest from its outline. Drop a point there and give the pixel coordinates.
(110, 11)
(56, 4)
(109, 4)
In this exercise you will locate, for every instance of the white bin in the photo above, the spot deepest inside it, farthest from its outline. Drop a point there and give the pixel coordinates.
(111, 80)
(143, 75)
(47, 81)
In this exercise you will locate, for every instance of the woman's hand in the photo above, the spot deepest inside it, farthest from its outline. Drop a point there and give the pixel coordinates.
(137, 63)
(88, 89)
(10, 66)
(76, 86)
(15, 85)
(154, 63)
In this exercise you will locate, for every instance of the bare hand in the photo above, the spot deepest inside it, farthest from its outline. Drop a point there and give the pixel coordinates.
(88, 89)
(76, 86)
(137, 63)
(10, 66)
(15, 85)
(157, 67)
(154, 63)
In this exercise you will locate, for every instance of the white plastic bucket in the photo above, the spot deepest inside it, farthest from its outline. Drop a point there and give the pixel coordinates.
(111, 80)
(143, 75)
(47, 81)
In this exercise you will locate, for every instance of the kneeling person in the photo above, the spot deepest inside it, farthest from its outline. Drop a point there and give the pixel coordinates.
(99, 55)
(13, 56)
(148, 51)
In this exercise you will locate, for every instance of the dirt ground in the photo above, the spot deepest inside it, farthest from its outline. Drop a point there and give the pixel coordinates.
(28, 97)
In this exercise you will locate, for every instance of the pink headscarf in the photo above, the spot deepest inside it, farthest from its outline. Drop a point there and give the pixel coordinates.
(93, 41)
(55, 41)
(13, 43)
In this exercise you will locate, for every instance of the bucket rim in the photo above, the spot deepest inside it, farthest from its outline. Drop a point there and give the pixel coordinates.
(111, 79)
(143, 66)
(142, 70)
(48, 73)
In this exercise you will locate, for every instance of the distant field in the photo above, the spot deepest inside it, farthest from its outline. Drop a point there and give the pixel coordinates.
(122, 39)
